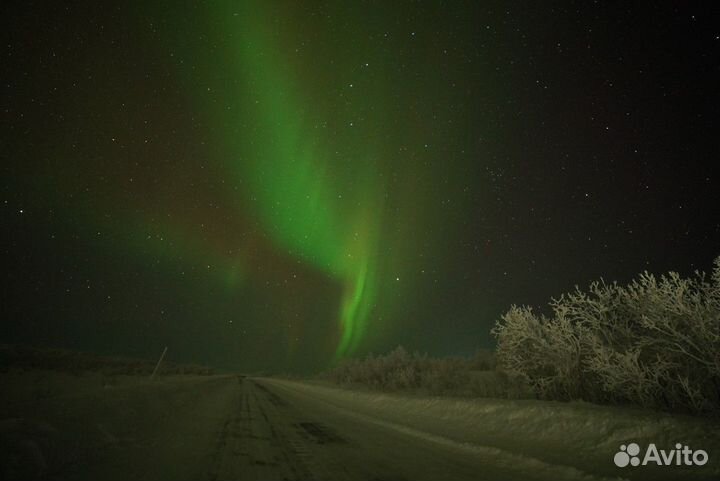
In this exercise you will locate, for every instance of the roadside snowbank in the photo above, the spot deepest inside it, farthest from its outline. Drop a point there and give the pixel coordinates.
(577, 435)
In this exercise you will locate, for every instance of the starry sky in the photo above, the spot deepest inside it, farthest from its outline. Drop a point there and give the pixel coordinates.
(276, 185)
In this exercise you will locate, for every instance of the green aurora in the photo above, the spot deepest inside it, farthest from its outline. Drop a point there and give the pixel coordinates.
(292, 180)
(275, 185)
(326, 215)
(309, 163)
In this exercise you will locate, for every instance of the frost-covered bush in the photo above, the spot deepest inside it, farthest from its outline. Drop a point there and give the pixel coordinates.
(546, 352)
(454, 376)
(483, 360)
(448, 375)
(396, 370)
(654, 342)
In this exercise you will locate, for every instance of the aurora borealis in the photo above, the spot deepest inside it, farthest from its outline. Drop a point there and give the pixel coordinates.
(276, 185)
(326, 215)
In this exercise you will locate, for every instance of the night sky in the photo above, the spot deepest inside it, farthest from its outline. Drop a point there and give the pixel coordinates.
(277, 185)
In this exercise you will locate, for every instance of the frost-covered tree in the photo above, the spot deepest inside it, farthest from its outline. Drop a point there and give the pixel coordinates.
(654, 342)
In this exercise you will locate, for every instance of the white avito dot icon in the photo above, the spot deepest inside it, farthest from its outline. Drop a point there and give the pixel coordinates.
(633, 450)
(621, 458)
(627, 455)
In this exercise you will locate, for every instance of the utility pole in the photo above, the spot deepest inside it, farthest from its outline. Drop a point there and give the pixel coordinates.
(162, 356)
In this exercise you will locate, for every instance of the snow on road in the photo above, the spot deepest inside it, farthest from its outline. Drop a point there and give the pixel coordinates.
(214, 428)
(564, 440)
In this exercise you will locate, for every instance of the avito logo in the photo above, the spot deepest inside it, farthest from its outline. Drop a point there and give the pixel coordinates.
(680, 456)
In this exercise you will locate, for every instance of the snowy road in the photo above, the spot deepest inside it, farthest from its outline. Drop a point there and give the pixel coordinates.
(237, 428)
(280, 433)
